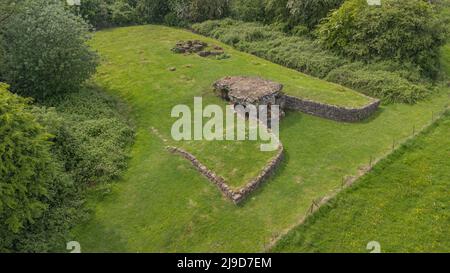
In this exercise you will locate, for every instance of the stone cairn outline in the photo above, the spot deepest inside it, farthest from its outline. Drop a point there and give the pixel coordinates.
(235, 195)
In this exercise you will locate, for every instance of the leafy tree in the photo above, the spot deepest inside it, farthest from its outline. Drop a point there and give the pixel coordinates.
(407, 31)
(248, 10)
(45, 51)
(8, 8)
(310, 12)
(122, 13)
(199, 10)
(152, 11)
(33, 188)
(96, 12)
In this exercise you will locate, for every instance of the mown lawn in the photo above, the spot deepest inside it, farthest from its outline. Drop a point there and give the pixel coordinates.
(403, 204)
(163, 205)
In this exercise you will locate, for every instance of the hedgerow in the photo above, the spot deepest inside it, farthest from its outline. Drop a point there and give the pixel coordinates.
(387, 80)
(39, 202)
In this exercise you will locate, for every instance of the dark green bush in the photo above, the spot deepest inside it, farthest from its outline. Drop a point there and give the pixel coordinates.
(199, 10)
(310, 12)
(38, 201)
(248, 10)
(152, 11)
(122, 13)
(44, 50)
(96, 12)
(92, 135)
(407, 31)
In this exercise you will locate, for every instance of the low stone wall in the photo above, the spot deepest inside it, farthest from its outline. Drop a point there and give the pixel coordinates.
(332, 112)
(241, 194)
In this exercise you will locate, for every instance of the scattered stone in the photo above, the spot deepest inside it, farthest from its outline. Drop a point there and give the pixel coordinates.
(198, 47)
(172, 69)
(189, 46)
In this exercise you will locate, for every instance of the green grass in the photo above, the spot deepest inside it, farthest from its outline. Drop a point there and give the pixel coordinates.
(163, 205)
(403, 204)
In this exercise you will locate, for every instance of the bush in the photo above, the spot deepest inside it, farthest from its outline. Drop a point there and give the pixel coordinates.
(401, 30)
(45, 51)
(386, 85)
(38, 202)
(248, 10)
(171, 19)
(310, 12)
(199, 10)
(122, 13)
(152, 11)
(91, 135)
(96, 12)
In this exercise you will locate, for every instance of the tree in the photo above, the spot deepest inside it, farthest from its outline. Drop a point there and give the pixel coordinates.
(310, 12)
(199, 10)
(406, 31)
(248, 10)
(8, 8)
(152, 11)
(45, 51)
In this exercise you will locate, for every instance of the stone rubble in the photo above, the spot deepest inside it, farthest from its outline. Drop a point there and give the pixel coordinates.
(197, 47)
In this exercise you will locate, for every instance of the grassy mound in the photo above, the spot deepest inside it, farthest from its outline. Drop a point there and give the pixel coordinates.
(163, 204)
(402, 204)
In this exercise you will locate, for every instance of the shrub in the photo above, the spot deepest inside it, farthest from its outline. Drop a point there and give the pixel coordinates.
(122, 13)
(199, 10)
(402, 30)
(37, 200)
(386, 85)
(152, 11)
(96, 12)
(248, 10)
(91, 135)
(45, 51)
(310, 12)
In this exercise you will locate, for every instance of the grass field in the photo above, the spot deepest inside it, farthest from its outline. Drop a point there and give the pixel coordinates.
(163, 205)
(403, 204)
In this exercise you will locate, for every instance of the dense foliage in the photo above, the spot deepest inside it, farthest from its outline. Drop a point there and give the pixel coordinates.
(310, 12)
(389, 81)
(91, 134)
(45, 51)
(50, 152)
(401, 30)
(37, 199)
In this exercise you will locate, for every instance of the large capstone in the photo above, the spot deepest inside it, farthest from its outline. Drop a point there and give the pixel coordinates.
(250, 90)
(255, 91)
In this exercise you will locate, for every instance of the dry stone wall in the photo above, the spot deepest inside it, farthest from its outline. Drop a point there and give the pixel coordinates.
(332, 112)
(241, 194)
